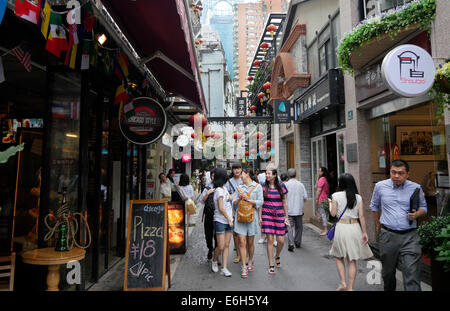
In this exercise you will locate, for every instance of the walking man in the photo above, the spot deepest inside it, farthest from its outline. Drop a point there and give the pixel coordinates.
(296, 198)
(396, 225)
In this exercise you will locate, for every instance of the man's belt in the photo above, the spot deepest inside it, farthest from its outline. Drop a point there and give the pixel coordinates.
(398, 231)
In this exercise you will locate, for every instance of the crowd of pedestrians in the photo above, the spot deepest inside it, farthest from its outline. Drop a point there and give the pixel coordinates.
(247, 203)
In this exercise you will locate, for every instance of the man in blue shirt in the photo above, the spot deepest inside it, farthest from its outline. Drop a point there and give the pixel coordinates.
(398, 239)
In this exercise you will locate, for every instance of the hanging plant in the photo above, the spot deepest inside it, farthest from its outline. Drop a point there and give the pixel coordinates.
(439, 93)
(417, 12)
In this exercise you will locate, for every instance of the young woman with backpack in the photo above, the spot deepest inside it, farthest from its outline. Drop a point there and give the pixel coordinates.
(249, 200)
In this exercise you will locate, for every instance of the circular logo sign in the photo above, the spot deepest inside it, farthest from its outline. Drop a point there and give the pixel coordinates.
(143, 121)
(408, 70)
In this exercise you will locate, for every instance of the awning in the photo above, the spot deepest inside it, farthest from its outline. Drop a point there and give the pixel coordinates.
(159, 32)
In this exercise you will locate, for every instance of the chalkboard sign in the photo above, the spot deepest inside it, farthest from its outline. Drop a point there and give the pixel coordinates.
(146, 255)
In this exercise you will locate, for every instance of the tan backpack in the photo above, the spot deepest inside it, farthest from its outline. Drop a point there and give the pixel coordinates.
(245, 211)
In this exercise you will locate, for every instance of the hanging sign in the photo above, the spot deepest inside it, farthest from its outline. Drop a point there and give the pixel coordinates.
(282, 111)
(143, 121)
(408, 70)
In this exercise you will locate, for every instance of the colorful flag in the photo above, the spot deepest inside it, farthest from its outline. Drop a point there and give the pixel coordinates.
(3, 5)
(45, 18)
(94, 54)
(121, 94)
(108, 62)
(23, 54)
(85, 55)
(71, 56)
(57, 40)
(123, 63)
(28, 9)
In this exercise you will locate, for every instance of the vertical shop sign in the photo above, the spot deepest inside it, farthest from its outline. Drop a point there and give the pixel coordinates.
(241, 107)
(282, 111)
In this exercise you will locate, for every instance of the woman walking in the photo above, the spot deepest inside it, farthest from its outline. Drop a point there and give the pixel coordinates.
(322, 193)
(273, 216)
(186, 191)
(233, 182)
(350, 237)
(223, 221)
(249, 191)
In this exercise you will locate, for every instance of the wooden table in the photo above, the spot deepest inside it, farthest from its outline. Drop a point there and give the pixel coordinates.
(51, 258)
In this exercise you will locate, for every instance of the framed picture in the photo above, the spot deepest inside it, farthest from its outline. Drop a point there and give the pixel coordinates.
(415, 143)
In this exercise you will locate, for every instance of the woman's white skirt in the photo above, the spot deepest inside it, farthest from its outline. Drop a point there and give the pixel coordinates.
(348, 242)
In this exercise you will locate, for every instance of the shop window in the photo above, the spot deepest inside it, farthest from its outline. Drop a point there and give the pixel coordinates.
(413, 135)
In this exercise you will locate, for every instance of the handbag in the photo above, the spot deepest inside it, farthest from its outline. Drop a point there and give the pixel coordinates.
(191, 208)
(330, 234)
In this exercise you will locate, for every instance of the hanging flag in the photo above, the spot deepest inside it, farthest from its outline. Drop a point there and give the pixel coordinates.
(85, 55)
(57, 40)
(94, 54)
(45, 18)
(123, 63)
(71, 56)
(88, 21)
(121, 94)
(108, 62)
(23, 54)
(28, 9)
(3, 4)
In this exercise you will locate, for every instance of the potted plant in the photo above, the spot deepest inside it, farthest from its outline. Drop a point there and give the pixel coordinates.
(432, 241)
(440, 92)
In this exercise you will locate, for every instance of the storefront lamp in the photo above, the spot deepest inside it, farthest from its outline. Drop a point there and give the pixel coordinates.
(102, 39)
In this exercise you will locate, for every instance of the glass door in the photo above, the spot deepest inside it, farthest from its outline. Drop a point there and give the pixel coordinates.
(340, 143)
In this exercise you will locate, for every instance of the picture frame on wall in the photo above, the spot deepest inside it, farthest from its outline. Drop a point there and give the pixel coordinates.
(416, 143)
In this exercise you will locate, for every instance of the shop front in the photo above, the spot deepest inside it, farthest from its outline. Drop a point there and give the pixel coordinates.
(321, 115)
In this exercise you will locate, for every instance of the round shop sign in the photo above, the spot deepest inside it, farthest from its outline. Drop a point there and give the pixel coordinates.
(408, 70)
(143, 120)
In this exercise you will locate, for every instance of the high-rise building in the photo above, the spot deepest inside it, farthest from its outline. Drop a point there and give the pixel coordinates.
(248, 22)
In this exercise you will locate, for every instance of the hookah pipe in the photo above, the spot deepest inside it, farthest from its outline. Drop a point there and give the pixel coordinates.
(67, 221)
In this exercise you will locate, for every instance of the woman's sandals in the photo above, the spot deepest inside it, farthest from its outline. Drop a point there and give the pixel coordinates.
(271, 269)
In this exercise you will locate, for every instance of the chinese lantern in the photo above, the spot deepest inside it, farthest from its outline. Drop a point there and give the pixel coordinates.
(250, 79)
(253, 108)
(267, 86)
(257, 63)
(194, 117)
(264, 46)
(193, 135)
(261, 97)
(258, 135)
(247, 153)
(237, 136)
(272, 28)
(207, 132)
(269, 144)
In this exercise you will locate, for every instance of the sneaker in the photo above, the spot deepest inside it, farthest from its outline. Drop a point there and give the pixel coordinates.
(291, 248)
(262, 240)
(214, 266)
(275, 243)
(244, 272)
(250, 267)
(297, 245)
(226, 272)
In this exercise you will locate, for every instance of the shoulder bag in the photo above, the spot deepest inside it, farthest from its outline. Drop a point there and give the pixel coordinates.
(330, 234)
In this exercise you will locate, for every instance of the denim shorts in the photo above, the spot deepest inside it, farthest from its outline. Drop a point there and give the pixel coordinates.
(222, 228)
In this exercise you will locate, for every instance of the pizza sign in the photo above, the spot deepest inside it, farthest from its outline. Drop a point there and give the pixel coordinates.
(408, 70)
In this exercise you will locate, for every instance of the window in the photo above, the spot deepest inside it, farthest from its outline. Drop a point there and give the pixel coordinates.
(374, 7)
(336, 36)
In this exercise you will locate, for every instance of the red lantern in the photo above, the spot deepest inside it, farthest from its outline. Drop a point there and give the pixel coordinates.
(253, 108)
(196, 116)
(207, 132)
(269, 144)
(193, 135)
(272, 28)
(264, 46)
(267, 86)
(258, 135)
(247, 153)
(261, 97)
(250, 79)
(237, 136)
(256, 63)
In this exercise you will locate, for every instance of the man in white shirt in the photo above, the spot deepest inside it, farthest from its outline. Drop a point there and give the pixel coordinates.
(296, 198)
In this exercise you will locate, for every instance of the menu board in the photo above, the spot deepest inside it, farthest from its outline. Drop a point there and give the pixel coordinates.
(146, 253)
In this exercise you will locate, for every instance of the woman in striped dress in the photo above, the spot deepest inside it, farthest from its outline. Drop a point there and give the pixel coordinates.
(273, 216)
